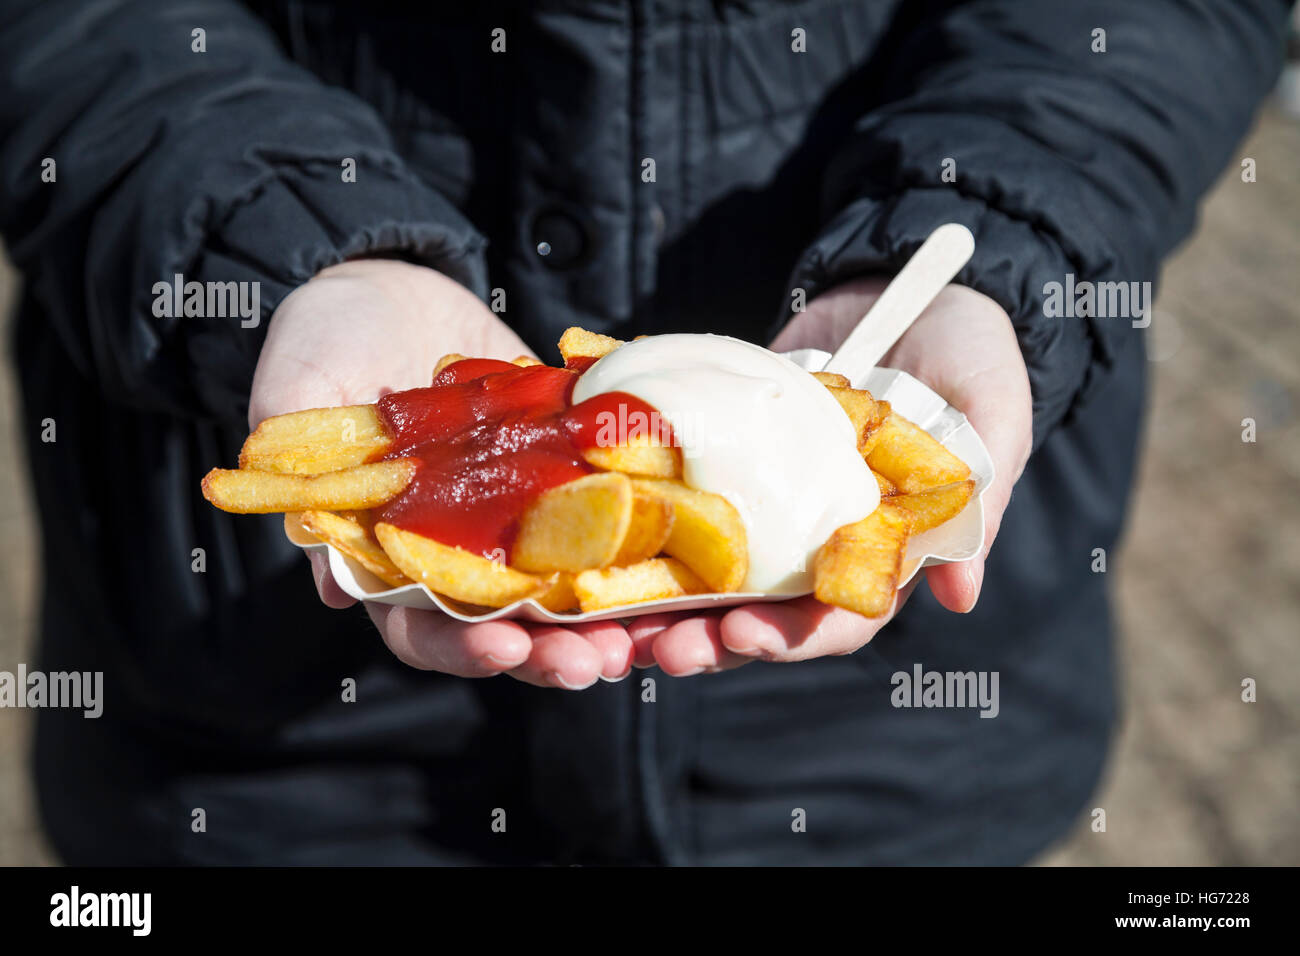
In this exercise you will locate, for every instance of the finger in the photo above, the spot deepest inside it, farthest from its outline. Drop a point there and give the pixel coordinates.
(956, 586)
(560, 658)
(1006, 436)
(797, 630)
(643, 630)
(611, 640)
(694, 646)
(331, 594)
(432, 641)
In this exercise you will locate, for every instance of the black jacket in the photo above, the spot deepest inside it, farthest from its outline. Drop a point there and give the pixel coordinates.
(774, 170)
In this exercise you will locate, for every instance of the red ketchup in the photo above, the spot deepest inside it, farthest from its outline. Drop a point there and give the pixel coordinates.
(489, 437)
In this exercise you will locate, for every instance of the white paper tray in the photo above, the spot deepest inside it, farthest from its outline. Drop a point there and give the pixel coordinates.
(957, 540)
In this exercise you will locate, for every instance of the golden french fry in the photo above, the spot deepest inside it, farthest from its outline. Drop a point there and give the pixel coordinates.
(867, 440)
(524, 361)
(316, 440)
(887, 487)
(351, 537)
(449, 359)
(707, 534)
(858, 567)
(364, 517)
(293, 521)
(650, 580)
(455, 572)
(575, 526)
(640, 458)
(866, 414)
(912, 458)
(559, 595)
(652, 522)
(259, 492)
(934, 506)
(578, 343)
(832, 379)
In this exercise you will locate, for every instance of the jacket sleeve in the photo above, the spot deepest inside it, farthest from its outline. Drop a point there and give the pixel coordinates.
(1067, 161)
(220, 166)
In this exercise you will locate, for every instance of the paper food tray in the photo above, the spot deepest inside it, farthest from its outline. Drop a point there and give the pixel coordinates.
(956, 540)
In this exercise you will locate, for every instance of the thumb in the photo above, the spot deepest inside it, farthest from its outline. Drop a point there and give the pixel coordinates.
(998, 408)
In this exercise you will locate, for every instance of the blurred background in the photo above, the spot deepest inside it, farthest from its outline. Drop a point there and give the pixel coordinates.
(1196, 776)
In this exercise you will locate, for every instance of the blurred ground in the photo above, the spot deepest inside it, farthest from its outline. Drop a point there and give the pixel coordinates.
(1209, 576)
(21, 843)
(1208, 580)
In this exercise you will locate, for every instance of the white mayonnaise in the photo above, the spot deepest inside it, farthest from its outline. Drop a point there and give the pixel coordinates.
(758, 430)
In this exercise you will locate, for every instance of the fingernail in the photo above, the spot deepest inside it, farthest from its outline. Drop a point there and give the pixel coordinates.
(493, 659)
(691, 673)
(767, 640)
(615, 680)
(974, 586)
(555, 678)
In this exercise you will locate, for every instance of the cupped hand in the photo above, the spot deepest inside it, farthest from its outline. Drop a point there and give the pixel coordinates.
(367, 327)
(964, 348)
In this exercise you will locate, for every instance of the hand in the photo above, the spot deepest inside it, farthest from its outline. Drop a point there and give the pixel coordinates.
(364, 328)
(963, 347)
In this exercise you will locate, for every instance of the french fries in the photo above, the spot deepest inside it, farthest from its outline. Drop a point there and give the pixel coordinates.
(578, 345)
(449, 359)
(887, 487)
(648, 531)
(576, 526)
(858, 567)
(257, 492)
(866, 414)
(638, 458)
(933, 506)
(356, 540)
(912, 458)
(651, 580)
(316, 440)
(707, 534)
(455, 572)
(559, 595)
(832, 379)
(629, 532)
